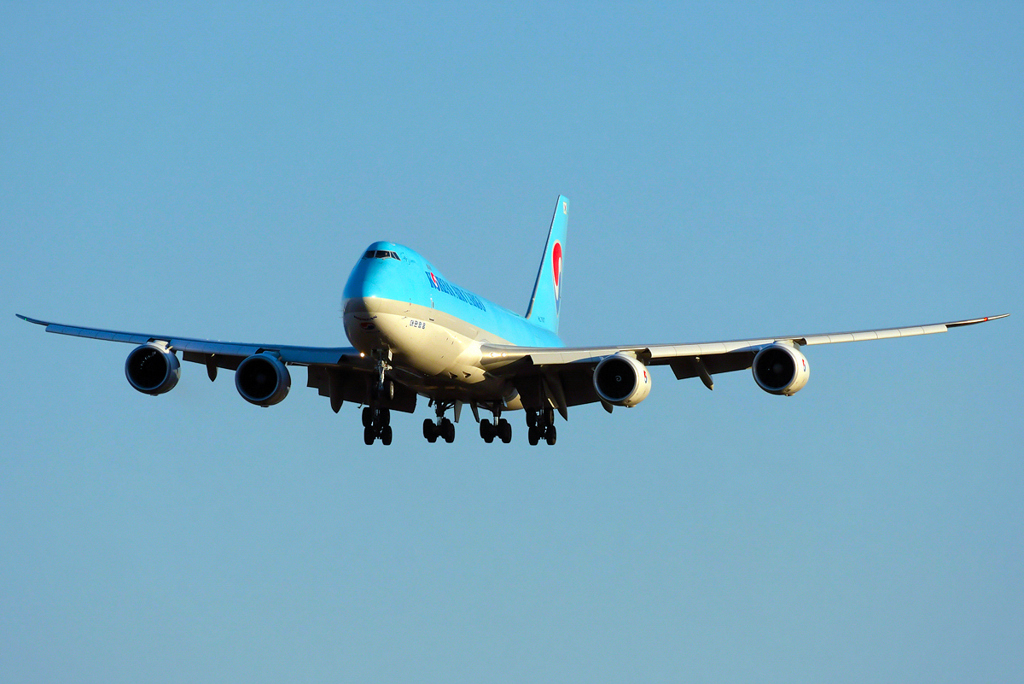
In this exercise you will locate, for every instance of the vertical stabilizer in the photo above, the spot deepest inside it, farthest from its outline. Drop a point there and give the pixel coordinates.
(547, 291)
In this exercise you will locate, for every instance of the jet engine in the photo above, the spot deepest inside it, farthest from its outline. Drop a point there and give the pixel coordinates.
(263, 379)
(781, 369)
(622, 380)
(152, 369)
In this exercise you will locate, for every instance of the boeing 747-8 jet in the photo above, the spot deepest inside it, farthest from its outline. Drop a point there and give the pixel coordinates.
(416, 334)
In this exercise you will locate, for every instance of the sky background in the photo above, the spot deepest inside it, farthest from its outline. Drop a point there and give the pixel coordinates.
(735, 170)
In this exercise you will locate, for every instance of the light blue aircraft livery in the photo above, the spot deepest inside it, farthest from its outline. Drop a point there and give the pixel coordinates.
(415, 333)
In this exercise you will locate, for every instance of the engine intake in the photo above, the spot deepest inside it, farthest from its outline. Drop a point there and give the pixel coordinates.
(781, 369)
(622, 380)
(152, 369)
(263, 379)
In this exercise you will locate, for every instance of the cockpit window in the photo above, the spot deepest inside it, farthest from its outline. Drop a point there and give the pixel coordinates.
(381, 254)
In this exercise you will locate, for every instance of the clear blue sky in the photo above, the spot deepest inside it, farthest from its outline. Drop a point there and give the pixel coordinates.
(215, 169)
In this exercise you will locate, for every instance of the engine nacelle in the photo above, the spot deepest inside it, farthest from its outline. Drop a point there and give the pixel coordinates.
(263, 379)
(152, 369)
(622, 380)
(781, 369)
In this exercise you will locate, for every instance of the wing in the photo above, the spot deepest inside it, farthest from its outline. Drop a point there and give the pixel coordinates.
(226, 351)
(340, 373)
(563, 376)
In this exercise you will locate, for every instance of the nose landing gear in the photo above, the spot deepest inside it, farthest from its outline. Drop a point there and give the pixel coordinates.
(377, 423)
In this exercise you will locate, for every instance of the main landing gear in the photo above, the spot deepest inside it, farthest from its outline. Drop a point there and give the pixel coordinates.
(445, 429)
(500, 428)
(542, 426)
(442, 427)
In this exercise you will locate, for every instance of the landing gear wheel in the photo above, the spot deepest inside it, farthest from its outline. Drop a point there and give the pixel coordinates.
(487, 431)
(552, 435)
(504, 431)
(448, 430)
(367, 417)
(534, 435)
(385, 435)
(369, 435)
(429, 430)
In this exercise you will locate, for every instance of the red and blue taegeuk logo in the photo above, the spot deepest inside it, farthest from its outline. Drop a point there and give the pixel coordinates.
(556, 265)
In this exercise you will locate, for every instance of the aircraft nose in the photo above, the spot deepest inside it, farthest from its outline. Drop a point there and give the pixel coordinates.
(376, 279)
(362, 286)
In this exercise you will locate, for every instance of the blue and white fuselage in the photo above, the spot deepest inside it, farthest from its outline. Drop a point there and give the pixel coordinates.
(397, 301)
(400, 309)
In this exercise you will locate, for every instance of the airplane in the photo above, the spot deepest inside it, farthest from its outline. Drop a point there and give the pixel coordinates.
(414, 333)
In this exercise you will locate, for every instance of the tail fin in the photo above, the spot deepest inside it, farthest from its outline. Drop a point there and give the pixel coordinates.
(547, 291)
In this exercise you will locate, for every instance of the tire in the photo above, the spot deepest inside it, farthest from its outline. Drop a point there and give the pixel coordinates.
(386, 435)
(552, 435)
(448, 431)
(486, 431)
(534, 435)
(429, 430)
(367, 417)
(368, 436)
(505, 431)
(384, 417)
